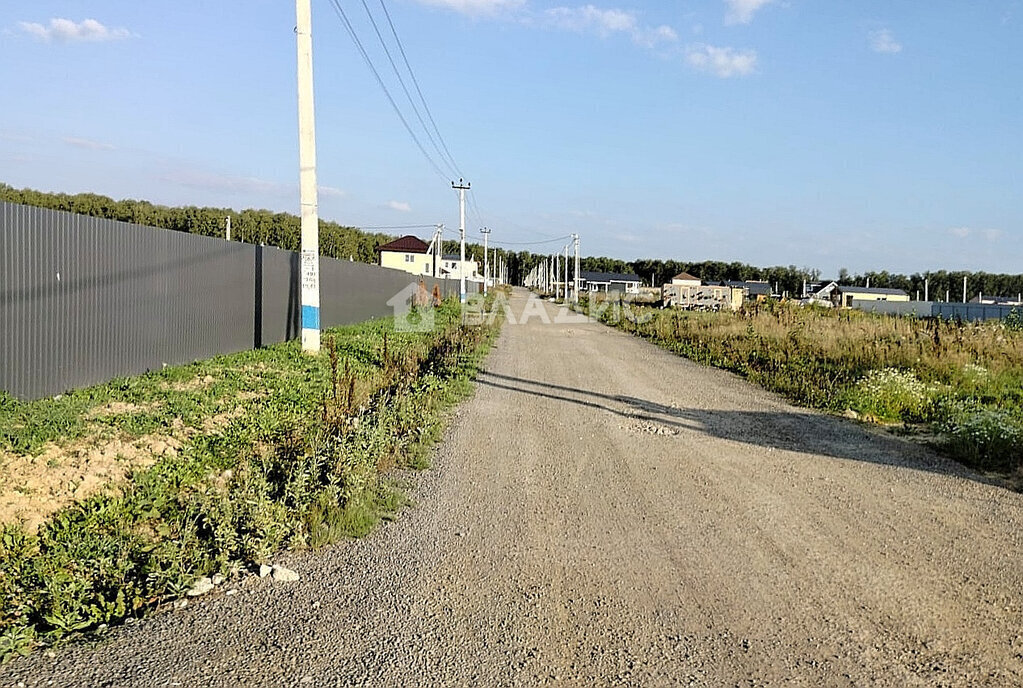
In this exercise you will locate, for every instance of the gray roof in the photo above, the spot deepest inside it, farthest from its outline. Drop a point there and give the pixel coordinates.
(607, 277)
(753, 288)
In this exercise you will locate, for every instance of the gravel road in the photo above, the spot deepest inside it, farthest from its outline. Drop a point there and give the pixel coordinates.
(604, 513)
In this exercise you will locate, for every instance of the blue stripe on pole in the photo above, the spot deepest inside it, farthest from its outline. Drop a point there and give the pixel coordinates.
(310, 317)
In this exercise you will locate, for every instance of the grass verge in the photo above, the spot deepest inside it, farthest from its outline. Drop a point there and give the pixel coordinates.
(961, 383)
(274, 450)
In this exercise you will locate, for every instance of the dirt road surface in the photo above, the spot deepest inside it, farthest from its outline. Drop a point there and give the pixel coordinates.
(604, 513)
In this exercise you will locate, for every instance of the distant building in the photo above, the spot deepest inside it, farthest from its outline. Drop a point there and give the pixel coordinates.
(998, 300)
(408, 253)
(684, 279)
(843, 296)
(753, 290)
(706, 297)
(449, 267)
(608, 282)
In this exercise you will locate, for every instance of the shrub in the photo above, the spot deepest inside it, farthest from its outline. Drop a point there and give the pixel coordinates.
(891, 394)
(986, 438)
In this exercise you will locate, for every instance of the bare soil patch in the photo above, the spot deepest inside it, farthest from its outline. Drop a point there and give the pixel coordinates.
(33, 487)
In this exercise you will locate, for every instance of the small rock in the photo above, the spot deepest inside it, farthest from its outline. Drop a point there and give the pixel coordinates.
(218, 579)
(265, 570)
(232, 591)
(284, 575)
(200, 587)
(180, 604)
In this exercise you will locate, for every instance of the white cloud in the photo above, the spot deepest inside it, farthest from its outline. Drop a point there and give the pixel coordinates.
(587, 18)
(400, 206)
(721, 62)
(331, 191)
(967, 232)
(882, 41)
(475, 7)
(15, 138)
(204, 180)
(86, 143)
(212, 181)
(605, 22)
(742, 11)
(68, 31)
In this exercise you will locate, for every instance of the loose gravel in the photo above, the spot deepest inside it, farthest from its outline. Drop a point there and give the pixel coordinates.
(604, 513)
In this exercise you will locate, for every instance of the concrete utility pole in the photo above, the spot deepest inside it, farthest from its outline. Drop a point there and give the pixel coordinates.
(461, 186)
(557, 275)
(438, 244)
(486, 259)
(575, 242)
(964, 288)
(227, 222)
(566, 273)
(307, 180)
(927, 289)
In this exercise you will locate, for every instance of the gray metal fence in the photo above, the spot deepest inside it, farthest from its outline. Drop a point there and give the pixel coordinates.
(84, 300)
(968, 312)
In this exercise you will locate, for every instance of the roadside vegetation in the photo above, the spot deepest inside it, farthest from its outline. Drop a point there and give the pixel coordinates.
(958, 385)
(259, 452)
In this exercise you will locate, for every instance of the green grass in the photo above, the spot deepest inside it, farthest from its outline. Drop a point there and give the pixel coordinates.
(962, 381)
(300, 461)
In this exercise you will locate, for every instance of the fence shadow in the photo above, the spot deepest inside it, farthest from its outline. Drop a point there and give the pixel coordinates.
(797, 431)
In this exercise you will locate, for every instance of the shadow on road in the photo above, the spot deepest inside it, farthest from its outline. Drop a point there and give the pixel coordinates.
(799, 431)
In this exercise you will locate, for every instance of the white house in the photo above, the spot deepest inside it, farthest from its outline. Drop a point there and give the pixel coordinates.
(408, 253)
(608, 282)
(449, 267)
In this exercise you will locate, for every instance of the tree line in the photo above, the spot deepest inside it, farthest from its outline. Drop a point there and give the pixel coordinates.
(251, 226)
(339, 241)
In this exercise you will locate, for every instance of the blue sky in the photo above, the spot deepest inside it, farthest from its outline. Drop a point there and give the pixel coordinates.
(865, 135)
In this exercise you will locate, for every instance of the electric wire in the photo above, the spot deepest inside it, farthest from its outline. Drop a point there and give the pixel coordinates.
(399, 226)
(369, 63)
(415, 82)
(456, 233)
(401, 81)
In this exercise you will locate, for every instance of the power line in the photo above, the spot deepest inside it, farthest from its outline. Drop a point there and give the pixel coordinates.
(401, 81)
(519, 243)
(369, 63)
(415, 82)
(475, 207)
(531, 243)
(398, 226)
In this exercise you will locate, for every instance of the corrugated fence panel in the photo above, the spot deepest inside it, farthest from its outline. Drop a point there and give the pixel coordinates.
(972, 311)
(920, 309)
(84, 300)
(925, 309)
